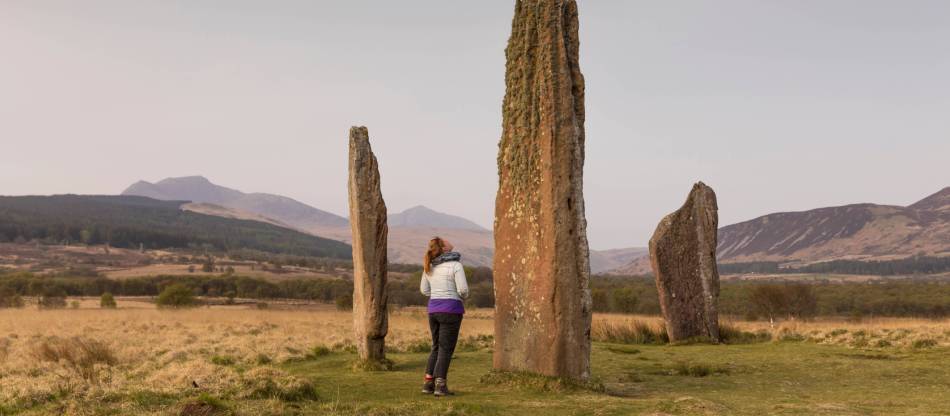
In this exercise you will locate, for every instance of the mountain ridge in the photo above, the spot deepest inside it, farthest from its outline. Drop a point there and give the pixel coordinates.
(863, 231)
(422, 216)
(409, 232)
(409, 229)
(201, 190)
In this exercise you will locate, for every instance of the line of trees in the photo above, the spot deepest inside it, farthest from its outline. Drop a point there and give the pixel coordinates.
(916, 265)
(752, 300)
(757, 300)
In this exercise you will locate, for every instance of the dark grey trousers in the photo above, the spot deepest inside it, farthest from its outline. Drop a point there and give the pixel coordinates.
(445, 334)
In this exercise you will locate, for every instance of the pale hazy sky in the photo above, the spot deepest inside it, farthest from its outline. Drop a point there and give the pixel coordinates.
(778, 105)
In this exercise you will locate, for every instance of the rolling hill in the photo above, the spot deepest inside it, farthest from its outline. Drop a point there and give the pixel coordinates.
(128, 221)
(861, 232)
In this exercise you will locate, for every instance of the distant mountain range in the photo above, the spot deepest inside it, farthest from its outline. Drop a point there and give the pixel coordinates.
(857, 231)
(850, 232)
(410, 230)
(420, 216)
(201, 190)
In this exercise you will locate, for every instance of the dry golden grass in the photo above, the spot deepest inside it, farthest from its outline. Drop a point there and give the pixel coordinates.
(164, 351)
(867, 332)
(90, 353)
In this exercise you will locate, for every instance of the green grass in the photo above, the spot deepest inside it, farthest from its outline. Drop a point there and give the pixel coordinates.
(784, 378)
(764, 378)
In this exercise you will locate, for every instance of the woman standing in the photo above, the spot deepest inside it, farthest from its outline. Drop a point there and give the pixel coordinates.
(443, 281)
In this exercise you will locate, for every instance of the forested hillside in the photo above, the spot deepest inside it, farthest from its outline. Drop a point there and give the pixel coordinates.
(131, 221)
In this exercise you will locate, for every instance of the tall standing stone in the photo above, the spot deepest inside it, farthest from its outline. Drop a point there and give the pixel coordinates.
(541, 264)
(683, 256)
(368, 222)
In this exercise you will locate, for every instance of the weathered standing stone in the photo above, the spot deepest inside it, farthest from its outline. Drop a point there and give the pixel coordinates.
(683, 255)
(541, 264)
(368, 222)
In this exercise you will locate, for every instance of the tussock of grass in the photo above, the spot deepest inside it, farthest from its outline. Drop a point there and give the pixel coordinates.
(374, 365)
(475, 343)
(923, 343)
(204, 405)
(698, 369)
(787, 335)
(539, 383)
(270, 383)
(347, 347)
(224, 360)
(82, 355)
(629, 332)
(317, 352)
(415, 346)
(860, 342)
(147, 398)
(730, 334)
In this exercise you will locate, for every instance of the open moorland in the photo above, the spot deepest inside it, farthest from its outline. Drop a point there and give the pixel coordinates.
(298, 359)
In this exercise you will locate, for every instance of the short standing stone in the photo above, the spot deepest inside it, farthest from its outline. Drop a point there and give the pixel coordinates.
(541, 263)
(368, 222)
(683, 256)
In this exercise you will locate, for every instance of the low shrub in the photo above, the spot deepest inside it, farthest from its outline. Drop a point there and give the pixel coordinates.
(344, 303)
(176, 296)
(11, 301)
(107, 301)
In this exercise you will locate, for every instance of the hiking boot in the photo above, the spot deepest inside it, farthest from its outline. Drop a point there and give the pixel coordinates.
(428, 387)
(441, 388)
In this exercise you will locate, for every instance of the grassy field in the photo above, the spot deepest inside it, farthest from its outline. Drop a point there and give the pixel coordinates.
(138, 360)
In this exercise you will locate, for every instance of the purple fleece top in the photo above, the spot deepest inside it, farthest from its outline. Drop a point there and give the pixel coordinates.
(446, 306)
